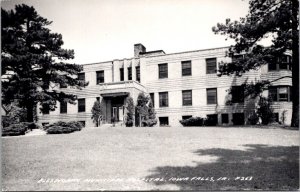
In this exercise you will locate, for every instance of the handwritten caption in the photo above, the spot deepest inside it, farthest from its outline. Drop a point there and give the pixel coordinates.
(159, 179)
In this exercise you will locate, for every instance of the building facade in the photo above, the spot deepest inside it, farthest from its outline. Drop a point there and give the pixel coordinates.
(181, 85)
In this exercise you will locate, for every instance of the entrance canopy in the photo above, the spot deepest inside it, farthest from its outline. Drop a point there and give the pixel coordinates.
(117, 94)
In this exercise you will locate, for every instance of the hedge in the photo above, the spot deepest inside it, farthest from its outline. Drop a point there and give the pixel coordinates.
(193, 121)
(61, 127)
(15, 129)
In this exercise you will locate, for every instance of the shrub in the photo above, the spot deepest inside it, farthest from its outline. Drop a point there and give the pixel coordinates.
(211, 120)
(253, 118)
(15, 129)
(193, 121)
(63, 127)
(265, 112)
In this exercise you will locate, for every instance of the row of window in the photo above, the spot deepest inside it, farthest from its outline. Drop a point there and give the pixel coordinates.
(186, 68)
(276, 93)
(237, 119)
(211, 96)
(100, 75)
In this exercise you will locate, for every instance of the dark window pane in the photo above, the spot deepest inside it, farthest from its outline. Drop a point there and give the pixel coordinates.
(152, 98)
(186, 68)
(163, 70)
(211, 65)
(237, 93)
(81, 76)
(129, 73)
(163, 99)
(211, 96)
(81, 105)
(100, 77)
(163, 121)
(238, 118)
(225, 118)
(187, 97)
(63, 107)
(283, 94)
(121, 74)
(273, 93)
(138, 75)
(272, 66)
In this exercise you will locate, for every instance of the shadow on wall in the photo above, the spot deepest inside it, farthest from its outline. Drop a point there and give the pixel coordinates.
(271, 168)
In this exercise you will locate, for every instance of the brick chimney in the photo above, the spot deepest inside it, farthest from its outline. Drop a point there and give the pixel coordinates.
(139, 48)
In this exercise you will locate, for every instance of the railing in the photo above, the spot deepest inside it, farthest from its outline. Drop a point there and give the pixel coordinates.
(121, 85)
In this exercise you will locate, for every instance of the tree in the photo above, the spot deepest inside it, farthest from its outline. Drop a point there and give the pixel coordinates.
(32, 62)
(97, 113)
(129, 112)
(277, 19)
(145, 114)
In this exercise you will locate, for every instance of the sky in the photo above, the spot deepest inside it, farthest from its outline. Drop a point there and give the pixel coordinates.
(104, 30)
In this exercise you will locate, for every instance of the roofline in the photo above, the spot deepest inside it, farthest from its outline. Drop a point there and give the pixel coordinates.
(155, 55)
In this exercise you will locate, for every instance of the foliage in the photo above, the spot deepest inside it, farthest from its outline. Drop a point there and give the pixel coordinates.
(253, 118)
(145, 111)
(97, 113)
(61, 127)
(130, 111)
(275, 19)
(33, 56)
(193, 121)
(17, 129)
(264, 111)
(13, 114)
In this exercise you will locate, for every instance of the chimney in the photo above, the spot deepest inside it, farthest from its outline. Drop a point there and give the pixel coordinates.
(139, 48)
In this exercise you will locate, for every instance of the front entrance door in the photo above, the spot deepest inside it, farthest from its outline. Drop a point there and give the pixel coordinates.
(118, 113)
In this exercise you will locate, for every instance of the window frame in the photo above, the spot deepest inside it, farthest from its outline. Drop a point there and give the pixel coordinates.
(163, 74)
(63, 107)
(138, 73)
(161, 99)
(81, 106)
(186, 71)
(187, 100)
(209, 71)
(100, 78)
(216, 96)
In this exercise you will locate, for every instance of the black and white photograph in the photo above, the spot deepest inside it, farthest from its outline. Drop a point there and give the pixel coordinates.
(150, 95)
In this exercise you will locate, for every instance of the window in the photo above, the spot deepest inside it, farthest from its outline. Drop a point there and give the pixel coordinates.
(280, 93)
(236, 58)
(272, 66)
(212, 120)
(211, 96)
(163, 71)
(46, 111)
(98, 98)
(121, 74)
(100, 77)
(238, 118)
(163, 99)
(283, 94)
(152, 98)
(186, 117)
(163, 121)
(63, 107)
(186, 68)
(81, 105)
(81, 76)
(237, 93)
(138, 75)
(225, 118)
(129, 69)
(187, 97)
(283, 63)
(211, 65)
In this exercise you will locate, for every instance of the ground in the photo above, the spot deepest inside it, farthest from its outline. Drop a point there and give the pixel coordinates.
(170, 158)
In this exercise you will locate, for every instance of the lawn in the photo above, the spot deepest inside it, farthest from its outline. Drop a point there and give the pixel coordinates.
(170, 158)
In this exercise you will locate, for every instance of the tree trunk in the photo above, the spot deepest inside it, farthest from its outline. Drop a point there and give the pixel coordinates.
(295, 66)
(30, 107)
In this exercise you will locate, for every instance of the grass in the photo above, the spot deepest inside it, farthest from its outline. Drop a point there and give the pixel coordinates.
(120, 158)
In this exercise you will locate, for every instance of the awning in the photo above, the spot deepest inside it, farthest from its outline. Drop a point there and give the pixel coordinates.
(118, 94)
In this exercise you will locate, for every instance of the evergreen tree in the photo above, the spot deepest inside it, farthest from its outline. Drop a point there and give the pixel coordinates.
(129, 112)
(145, 114)
(32, 62)
(266, 18)
(97, 113)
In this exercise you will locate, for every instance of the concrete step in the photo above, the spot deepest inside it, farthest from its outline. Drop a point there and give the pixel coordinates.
(35, 132)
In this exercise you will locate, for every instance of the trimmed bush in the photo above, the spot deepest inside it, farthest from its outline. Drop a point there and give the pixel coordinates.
(61, 127)
(193, 121)
(16, 129)
(253, 118)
